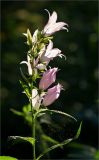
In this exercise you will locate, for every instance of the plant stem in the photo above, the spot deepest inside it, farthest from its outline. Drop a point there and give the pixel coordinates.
(33, 123)
(33, 131)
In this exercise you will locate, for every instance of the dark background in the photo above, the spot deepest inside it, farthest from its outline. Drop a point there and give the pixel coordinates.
(78, 73)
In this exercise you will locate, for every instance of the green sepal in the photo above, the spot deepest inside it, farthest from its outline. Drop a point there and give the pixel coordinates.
(17, 139)
(29, 37)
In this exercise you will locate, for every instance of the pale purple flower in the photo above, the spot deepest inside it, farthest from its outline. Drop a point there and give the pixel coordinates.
(28, 63)
(50, 53)
(48, 78)
(52, 94)
(36, 100)
(52, 26)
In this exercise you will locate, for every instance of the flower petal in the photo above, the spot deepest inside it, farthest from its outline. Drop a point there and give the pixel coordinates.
(51, 21)
(53, 53)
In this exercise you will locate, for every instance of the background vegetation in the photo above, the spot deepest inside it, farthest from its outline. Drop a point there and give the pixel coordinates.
(78, 73)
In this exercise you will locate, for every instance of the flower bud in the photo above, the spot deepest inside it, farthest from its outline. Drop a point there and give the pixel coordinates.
(36, 101)
(34, 38)
(48, 78)
(52, 94)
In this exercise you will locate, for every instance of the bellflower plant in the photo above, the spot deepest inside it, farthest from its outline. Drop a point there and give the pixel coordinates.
(37, 82)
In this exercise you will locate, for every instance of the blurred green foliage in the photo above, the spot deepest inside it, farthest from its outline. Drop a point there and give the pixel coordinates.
(78, 74)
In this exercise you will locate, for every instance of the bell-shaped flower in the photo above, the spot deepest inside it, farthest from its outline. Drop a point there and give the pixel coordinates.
(36, 100)
(29, 65)
(52, 94)
(50, 53)
(48, 78)
(52, 26)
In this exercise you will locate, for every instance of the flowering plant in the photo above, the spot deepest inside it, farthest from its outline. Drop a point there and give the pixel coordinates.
(37, 82)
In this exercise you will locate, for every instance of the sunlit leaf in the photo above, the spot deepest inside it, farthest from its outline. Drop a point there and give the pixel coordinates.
(7, 158)
(57, 112)
(78, 132)
(29, 37)
(26, 108)
(17, 139)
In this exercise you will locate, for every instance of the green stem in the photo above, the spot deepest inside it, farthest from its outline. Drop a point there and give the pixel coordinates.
(33, 131)
(33, 123)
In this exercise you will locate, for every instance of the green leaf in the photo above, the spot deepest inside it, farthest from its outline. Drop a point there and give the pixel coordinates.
(17, 139)
(7, 158)
(57, 112)
(63, 113)
(16, 112)
(49, 139)
(78, 132)
(26, 88)
(97, 155)
(62, 143)
(54, 147)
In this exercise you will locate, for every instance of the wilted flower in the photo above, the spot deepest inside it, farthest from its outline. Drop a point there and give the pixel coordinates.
(48, 78)
(28, 62)
(52, 94)
(36, 100)
(50, 53)
(52, 26)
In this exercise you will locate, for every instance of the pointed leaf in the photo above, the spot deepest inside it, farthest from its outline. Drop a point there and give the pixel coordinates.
(16, 112)
(63, 113)
(78, 132)
(56, 111)
(17, 139)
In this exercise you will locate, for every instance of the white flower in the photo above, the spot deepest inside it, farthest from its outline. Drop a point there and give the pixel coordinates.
(28, 63)
(52, 26)
(36, 100)
(50, 53)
